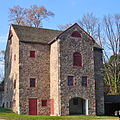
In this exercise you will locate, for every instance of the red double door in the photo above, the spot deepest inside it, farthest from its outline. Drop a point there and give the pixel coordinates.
(33, 106)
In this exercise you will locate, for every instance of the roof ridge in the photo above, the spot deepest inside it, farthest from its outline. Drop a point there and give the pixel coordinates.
(36, 27)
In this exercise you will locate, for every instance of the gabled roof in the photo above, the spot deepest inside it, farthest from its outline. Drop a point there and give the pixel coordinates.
(33, 34)
(42, 35)
(80, 28)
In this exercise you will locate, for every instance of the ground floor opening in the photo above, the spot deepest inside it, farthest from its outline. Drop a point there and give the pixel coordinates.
(78, 106)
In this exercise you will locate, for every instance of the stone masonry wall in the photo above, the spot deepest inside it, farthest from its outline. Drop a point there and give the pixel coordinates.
(69, 45)
(11, 94)
(38, 68)
(99, 81)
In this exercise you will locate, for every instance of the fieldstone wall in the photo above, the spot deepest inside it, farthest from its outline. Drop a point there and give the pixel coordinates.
(11, 94)
(99, 81)
(1, 97)
(69, 45)
(38, 68)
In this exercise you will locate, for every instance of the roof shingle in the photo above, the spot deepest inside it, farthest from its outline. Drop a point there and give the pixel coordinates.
(38, 35)
(26, 33)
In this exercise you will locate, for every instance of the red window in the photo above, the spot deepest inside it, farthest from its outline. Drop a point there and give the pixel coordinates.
(14, 57)
(70, 80)
(44, 102)
(77, 59)
(32, 54)
(32, 82)
(14, 84)
(76, 34)
(84, 81)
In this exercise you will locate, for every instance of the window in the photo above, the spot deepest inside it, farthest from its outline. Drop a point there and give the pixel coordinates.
(70, 80)
(44, 102)
(75, 101)
(14, 84)
(14, 57)
(76, 34)
(32, 54)
(77, 59)
(32, 82)
(84, 81)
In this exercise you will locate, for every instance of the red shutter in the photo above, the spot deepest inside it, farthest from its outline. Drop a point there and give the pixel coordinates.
(14, 57)
(52, 106)
(77, 59)
(33, 106)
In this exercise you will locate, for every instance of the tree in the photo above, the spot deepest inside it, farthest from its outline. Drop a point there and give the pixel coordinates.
(112, 32)
(32, 16)
(112, 75)
(90, 24)
(63, 27)
(17, 15)
(2, 52)
(112, 43)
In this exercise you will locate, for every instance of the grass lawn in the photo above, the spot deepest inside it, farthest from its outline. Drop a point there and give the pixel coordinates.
(8, 114)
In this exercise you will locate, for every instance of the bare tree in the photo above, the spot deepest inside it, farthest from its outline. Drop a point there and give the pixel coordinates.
(32, 16)
(17, 15)
(90, 24)
(63, 27)
(2, 52)
(112, 44)
(112, 31)
(35, 15)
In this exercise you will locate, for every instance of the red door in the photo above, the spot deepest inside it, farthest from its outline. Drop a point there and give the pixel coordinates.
(33, 106)
(52, 106)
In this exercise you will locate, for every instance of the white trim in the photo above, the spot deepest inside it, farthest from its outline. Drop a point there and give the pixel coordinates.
(86, 107)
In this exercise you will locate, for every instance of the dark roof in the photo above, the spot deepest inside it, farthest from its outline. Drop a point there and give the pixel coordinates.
(38, 35)
(112, 98)
(33, 34)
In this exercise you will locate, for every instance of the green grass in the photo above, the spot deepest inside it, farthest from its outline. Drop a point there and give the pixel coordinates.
(8, 114)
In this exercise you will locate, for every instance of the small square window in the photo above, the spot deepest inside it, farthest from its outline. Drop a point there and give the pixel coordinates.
(32, 54)
(84, 81)
(75, 101)
(14, 84)
(70, 80)
(44, 102)
(32, 82)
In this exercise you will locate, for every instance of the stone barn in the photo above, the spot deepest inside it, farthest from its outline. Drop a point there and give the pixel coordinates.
(51, 72)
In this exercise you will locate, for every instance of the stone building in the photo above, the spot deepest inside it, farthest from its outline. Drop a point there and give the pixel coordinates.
(1, 92)
(51, 72)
